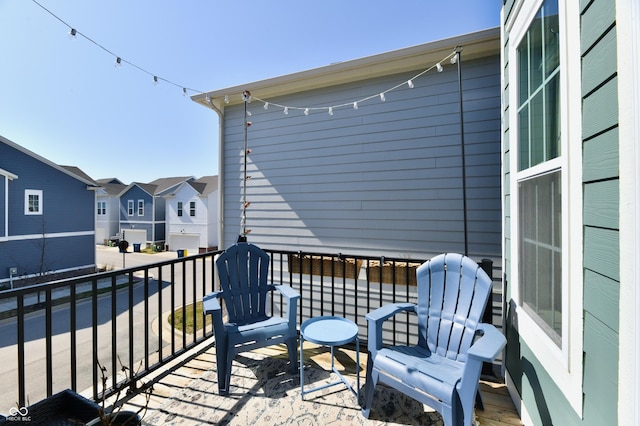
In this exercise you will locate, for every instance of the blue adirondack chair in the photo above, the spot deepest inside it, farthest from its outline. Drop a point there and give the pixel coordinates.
(443, 369)
(243, 270)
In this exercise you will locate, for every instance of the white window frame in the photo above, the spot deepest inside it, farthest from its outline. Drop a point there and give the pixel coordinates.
(130, 208)
(192, 208)
(563, 364)
(102, 208)
(179, 209)
(140, 207)
(33, 192)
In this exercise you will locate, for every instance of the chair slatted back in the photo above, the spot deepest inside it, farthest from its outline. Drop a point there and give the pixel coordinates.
(452, 294)
(243, 270)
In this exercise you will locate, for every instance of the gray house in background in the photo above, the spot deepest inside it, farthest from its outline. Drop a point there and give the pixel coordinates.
(142, 210)
(108, 209)
(365, 156)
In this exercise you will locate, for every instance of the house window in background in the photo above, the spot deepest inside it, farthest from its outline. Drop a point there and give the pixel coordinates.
(32, 201)
(140, 207)
(540, 172)
(130, 207)
(192, 208)
(102, 208)
(179, 208)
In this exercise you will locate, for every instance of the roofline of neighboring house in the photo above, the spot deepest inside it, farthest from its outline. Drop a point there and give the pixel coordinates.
(474, 45)
(91, 185)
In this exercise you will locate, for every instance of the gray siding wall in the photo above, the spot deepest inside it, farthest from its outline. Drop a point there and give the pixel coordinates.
(383, 179)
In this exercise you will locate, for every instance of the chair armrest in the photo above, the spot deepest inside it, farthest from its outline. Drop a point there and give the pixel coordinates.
(489, 345)
(375, 320)
(210, 303)
(291, 313)
(287, 291)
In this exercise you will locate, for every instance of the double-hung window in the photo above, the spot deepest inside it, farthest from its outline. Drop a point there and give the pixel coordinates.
(130, 206)
(102, 208)
(545, 188)
(140, 207)
(33, 202)
(192, 208)
(179, 208)
(540, 172)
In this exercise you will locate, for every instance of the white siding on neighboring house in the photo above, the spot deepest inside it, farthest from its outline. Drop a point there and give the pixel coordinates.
(385, 178)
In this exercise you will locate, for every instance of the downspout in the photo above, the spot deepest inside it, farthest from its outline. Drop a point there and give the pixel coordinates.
(221, 242)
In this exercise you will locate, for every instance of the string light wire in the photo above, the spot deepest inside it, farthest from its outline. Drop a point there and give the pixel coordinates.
(117, 58)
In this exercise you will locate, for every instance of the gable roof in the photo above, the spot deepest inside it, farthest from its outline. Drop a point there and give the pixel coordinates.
(158, 186)
(205, 185)
(81, 176)
(475, 45)
(110, 181)
(77, 171)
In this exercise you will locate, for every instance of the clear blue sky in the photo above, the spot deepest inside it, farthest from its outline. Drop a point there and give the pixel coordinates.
(65, 100)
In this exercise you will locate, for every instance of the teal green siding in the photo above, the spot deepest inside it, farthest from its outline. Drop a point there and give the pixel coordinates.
(543, 401)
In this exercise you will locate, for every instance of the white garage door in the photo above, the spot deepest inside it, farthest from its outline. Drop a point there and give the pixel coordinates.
(189, 242)
(135, 236)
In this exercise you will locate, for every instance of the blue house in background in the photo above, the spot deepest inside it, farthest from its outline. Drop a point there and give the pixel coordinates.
(47, 217)
(142, 210)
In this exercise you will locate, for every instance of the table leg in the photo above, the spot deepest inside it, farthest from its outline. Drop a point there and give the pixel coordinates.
(301, 368)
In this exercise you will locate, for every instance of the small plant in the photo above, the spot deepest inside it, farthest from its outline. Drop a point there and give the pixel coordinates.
(116, 415)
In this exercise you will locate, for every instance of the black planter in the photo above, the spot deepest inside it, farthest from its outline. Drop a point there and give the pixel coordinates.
(64, 408)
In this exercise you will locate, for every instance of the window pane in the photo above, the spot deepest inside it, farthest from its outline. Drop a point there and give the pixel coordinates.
(535, 53)
(541, 249)
(523, 143)
(536, 143)
(551, 38)
(552, 108)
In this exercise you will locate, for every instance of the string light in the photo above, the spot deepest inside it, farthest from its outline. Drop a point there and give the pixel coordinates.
(73, 33)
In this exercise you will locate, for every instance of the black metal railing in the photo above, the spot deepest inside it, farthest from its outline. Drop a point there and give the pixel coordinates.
(56, 333)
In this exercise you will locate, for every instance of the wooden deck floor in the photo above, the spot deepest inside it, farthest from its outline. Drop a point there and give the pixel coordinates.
(187, 394)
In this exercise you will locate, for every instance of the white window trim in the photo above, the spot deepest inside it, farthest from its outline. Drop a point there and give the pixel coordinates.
(140, 207)
(29, 192)
(131, 208)
(628, 34)
(564, 365)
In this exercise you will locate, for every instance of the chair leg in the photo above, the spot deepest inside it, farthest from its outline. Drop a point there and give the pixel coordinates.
(369, 388)
(292, 347)
(221, 360)
(229, 364)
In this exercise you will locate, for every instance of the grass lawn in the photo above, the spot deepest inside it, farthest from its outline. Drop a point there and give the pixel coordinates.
(190, 326)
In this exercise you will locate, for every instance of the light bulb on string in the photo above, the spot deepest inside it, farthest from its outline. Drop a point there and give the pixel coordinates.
(355, 105)
(410, 84)
(249, 113)
(382, 98)
(439, 67)
(72, 34)
(286, 110)
(226, 99)
(306, 111)
(454, 58)
(330, 110)
(266, 105)
(184, 91)
(207, 98)
(155, 80)
(118, 62)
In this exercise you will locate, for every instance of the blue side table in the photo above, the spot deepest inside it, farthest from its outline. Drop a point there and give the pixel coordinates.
(330, 331)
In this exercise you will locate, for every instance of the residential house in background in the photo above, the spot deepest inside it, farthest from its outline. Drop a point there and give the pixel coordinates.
(571, 167)
(108, 209)
(192, 215)
(366, 156)
(142, 210)
(47, 217)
